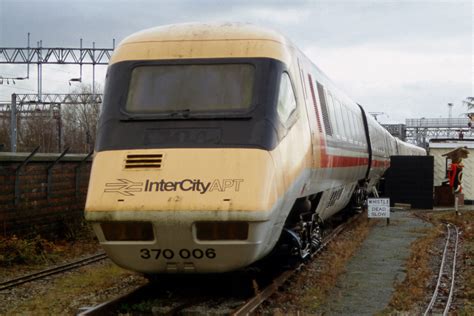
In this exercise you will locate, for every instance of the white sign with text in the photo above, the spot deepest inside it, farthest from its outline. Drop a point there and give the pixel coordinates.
(379, 208)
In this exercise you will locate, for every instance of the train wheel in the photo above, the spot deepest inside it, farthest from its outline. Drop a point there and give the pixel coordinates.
(305, 237)
(316, 237)
(359, 197)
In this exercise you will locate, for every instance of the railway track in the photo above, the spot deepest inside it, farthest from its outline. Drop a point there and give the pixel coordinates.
(47, 272)
(441, 299)
(261, 297)
(198, 304)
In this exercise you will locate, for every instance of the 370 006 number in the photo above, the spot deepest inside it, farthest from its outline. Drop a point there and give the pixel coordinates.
(209, 253)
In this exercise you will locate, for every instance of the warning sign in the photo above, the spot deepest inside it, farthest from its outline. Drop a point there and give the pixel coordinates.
(379, 208)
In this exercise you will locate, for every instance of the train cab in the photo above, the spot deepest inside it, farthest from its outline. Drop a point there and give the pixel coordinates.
(187, 160)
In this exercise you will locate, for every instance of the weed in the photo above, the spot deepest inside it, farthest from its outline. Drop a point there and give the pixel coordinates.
(420, 269)
(311, 289)
(64, 295)
(14, 250)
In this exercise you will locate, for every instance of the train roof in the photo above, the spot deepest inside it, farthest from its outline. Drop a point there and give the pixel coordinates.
(203, 40)
(205, 31)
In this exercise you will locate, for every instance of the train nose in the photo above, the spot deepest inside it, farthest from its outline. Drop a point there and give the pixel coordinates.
(186, 210)
(193, 247)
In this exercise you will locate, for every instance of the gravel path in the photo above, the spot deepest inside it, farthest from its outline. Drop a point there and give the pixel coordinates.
(367, 286)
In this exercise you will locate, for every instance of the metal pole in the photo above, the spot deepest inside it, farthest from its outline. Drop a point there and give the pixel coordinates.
(60, 127)
(18, 174)
(450, 106)
(80, 61)
(28, 64)
(93, 70)
(40, 72)
(13, 124)
(50, 172)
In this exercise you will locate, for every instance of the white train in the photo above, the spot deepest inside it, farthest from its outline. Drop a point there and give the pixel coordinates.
(219, 143)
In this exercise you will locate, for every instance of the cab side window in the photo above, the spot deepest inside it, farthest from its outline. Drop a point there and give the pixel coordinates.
(286, 99)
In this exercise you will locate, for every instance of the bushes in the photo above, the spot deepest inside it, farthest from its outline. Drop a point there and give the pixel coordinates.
(27, 251)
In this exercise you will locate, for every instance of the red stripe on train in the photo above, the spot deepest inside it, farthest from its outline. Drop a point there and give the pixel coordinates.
(380, 163)
(332, 161)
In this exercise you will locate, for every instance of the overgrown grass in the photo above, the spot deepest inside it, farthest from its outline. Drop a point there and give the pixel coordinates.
(465, 276)
(414, 289)
(18, 252)
(38, 250)
(338, 253)
(62, 296)
(314, 284)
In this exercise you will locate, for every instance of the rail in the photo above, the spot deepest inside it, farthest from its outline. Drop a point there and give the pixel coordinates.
(252, 304)
(442, 294)
(47, 272)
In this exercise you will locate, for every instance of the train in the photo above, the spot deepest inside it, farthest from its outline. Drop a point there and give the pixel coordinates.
(220, 144)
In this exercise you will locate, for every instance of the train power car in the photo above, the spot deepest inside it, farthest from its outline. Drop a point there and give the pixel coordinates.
(218, 142)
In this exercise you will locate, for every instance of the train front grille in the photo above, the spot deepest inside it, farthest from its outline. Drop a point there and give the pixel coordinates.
(144, 161)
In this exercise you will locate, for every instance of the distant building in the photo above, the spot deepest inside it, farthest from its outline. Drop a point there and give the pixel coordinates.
(421, 131)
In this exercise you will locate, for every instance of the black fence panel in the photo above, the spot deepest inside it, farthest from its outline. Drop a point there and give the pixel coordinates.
(410, 180)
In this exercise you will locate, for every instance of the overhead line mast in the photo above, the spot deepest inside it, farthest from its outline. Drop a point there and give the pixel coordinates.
(24, 104)
(54, 55)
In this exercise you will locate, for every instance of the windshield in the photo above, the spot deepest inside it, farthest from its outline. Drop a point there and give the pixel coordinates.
(193, 88)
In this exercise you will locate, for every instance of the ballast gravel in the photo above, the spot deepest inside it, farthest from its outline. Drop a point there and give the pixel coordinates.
(18, 300)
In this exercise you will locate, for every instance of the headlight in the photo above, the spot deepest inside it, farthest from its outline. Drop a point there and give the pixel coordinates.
(222, 230)
(127, 231)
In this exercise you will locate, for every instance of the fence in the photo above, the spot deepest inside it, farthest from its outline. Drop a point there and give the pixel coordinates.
(42, 193)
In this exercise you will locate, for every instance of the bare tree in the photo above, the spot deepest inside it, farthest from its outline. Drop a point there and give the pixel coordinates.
(79, 122)
(469, 102)
(56, 127)
(4, 132)
(38, 129)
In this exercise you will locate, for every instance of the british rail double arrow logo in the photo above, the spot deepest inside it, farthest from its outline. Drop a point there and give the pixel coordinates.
(124, 187)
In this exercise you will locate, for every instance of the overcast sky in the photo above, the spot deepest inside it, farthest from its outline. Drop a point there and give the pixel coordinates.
(407, 59)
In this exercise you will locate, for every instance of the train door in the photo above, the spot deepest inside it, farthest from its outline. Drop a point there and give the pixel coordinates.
(311, 112)
(309, 115)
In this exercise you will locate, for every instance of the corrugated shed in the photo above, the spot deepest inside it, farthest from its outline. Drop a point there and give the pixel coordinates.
(440, 166)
